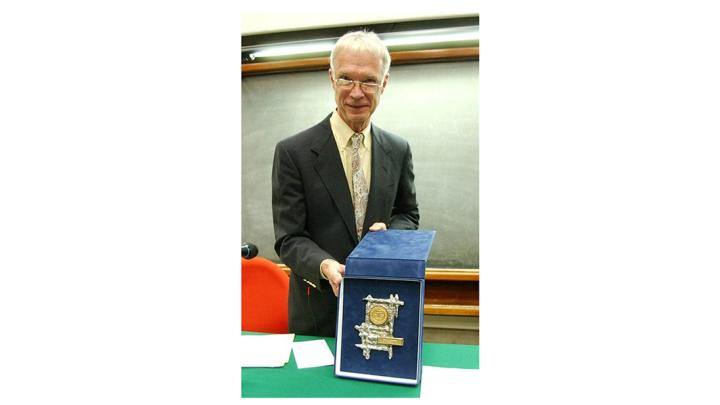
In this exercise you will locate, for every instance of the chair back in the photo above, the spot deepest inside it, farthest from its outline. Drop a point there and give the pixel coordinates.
(264, 302)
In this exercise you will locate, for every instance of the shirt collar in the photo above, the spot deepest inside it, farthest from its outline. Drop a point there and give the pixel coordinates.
(343, 132)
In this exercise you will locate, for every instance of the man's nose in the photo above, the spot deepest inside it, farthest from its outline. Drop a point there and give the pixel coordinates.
(356, 91)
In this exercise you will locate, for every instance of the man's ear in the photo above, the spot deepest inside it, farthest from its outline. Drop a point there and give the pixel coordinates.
(330, 76)
(385, 81)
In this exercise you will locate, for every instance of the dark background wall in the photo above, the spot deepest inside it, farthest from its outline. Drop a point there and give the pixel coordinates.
(434, 106)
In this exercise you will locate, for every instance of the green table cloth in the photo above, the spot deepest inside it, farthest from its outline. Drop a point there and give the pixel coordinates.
(291, 382)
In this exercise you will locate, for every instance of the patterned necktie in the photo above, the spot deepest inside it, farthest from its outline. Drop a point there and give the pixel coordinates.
(360, 189)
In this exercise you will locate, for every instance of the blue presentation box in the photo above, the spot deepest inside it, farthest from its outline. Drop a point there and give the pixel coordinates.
(380, 308)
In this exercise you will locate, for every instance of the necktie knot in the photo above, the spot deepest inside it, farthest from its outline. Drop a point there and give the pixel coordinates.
(357, 140)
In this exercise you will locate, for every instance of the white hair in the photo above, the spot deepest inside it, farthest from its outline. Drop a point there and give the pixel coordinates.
(363, 41)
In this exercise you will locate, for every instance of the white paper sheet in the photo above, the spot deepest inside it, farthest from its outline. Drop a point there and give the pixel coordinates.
(313, 353)
(265, 350)
(436, 381)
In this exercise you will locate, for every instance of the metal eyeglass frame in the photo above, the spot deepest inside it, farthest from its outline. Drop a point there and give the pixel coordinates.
(367, 87)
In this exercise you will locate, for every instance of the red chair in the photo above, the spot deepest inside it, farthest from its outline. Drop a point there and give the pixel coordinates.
(264, 296)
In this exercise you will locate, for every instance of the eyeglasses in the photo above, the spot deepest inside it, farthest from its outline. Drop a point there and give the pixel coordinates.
(367, 87)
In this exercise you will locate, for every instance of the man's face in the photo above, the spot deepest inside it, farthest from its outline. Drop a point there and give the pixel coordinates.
(355, 105)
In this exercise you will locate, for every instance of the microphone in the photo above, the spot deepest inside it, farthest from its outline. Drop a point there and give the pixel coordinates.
(248, 250)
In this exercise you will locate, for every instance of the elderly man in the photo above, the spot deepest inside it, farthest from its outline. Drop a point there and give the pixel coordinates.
(337, 180)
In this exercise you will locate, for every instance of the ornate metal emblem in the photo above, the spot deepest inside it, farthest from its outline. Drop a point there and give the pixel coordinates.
(376, 333)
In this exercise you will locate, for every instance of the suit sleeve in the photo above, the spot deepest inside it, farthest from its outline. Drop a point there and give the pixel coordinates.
(292, 240)
(405, 213)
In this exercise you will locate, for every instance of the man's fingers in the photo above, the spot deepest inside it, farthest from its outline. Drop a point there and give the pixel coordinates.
(378, 226)
(336, 286)
(335, 275)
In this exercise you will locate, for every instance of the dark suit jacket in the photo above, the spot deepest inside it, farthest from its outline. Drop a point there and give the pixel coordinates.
(313, 213)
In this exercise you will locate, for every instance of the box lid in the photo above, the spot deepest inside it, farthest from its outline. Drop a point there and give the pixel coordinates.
(391, 253)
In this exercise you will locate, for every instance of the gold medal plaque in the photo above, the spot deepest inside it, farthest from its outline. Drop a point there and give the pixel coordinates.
(376, 333)
(378, 315)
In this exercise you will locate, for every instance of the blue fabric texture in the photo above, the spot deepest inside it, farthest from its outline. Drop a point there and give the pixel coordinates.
(408, 324)
(391, 253)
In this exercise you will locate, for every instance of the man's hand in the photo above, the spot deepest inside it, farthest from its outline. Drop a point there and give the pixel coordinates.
(378, 226)
(334, 273)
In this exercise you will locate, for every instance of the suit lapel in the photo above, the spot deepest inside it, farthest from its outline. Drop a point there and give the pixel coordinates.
(329, 167)
(381, 180)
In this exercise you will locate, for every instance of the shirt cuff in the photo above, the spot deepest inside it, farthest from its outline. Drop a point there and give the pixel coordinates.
(325, 262)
